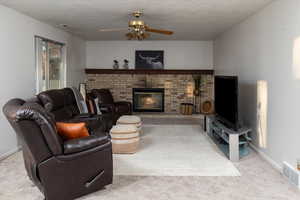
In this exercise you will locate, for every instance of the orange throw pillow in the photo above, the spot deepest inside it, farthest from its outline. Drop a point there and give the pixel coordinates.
(72, 130)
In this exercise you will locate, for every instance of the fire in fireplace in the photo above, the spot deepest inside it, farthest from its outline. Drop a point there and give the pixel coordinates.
(148, 99)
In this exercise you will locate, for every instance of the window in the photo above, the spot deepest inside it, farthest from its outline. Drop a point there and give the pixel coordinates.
(296, 58)
(50, 64)
(262, 110)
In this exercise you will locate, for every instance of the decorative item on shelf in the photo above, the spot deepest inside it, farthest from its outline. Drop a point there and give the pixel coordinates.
(197, 81)
(197, 91)
(149, 59)
(298, 164)
(207, 107)
(125, 65)
(186, 108)
(82, 90)
(116, 64)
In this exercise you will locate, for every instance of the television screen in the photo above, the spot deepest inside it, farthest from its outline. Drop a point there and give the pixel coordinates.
(226, 100)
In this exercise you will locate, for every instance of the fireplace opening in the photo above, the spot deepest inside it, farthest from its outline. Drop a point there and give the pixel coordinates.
(148, 99)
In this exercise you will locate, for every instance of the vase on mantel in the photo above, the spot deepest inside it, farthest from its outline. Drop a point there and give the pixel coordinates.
(125, 65)
(116, 64)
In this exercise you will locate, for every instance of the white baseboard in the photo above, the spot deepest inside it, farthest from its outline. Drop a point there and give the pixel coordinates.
(9, 153)
(274, 164)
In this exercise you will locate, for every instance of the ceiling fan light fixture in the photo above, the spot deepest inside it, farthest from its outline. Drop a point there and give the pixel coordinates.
(134, 23)
(137, 35)
(137, 14)
(138, 29)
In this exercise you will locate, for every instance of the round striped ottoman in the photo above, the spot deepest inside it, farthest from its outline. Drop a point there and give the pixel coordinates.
(125, 139)
(131, 120)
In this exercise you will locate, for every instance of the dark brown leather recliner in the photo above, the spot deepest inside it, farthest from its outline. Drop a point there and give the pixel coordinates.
(62, 170)
(62, 104)
(108, 105)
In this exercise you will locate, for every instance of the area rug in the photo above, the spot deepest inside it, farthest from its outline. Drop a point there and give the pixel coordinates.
(174, 150)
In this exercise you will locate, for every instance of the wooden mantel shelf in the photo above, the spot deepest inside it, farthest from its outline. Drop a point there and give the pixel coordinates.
(147, 71)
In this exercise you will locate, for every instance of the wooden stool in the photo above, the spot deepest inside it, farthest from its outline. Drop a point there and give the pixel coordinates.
(125, 139)
(131, 120)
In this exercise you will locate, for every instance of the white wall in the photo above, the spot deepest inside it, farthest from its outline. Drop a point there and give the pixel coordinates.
(76, 61)
(17, 62)
(263, 48)
(177, 54)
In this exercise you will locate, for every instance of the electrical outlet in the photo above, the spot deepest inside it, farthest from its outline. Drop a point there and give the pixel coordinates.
(291, 173)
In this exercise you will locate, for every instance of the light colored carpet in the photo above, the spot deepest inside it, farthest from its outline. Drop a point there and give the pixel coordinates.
(258, 181)
(174, 150)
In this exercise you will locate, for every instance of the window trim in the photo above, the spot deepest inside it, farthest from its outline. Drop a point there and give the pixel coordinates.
(64, 60)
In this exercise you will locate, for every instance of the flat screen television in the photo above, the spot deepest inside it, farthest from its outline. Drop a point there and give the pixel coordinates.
(226, 100)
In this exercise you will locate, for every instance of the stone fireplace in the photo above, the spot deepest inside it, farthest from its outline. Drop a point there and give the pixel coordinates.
(148, 99)
(178, 88)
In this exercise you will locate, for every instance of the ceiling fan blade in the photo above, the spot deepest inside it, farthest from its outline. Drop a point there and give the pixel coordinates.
(166, 32)
(113, 29)
(129, 36)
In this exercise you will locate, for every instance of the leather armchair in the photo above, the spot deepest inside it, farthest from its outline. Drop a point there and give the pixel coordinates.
(108, 105)
(62, 104)
(62, 170)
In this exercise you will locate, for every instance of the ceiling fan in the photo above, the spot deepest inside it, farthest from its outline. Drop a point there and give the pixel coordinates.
(138, 29)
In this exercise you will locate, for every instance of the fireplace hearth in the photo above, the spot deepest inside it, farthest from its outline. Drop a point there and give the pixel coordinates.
(148, 99)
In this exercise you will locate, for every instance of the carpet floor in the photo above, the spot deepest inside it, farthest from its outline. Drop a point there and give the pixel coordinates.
(258, 181)
(174, 150)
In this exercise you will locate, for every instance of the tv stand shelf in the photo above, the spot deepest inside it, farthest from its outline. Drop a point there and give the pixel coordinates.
(234, 144)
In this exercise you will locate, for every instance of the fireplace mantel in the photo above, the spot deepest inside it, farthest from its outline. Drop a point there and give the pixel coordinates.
(147, 71)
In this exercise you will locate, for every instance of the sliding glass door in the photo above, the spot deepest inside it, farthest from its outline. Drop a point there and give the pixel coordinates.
(50, 64)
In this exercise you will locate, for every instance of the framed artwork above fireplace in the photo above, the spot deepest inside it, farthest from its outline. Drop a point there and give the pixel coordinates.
(149, 59)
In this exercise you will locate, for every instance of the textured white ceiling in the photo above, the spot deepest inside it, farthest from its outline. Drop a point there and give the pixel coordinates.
(189, 19)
